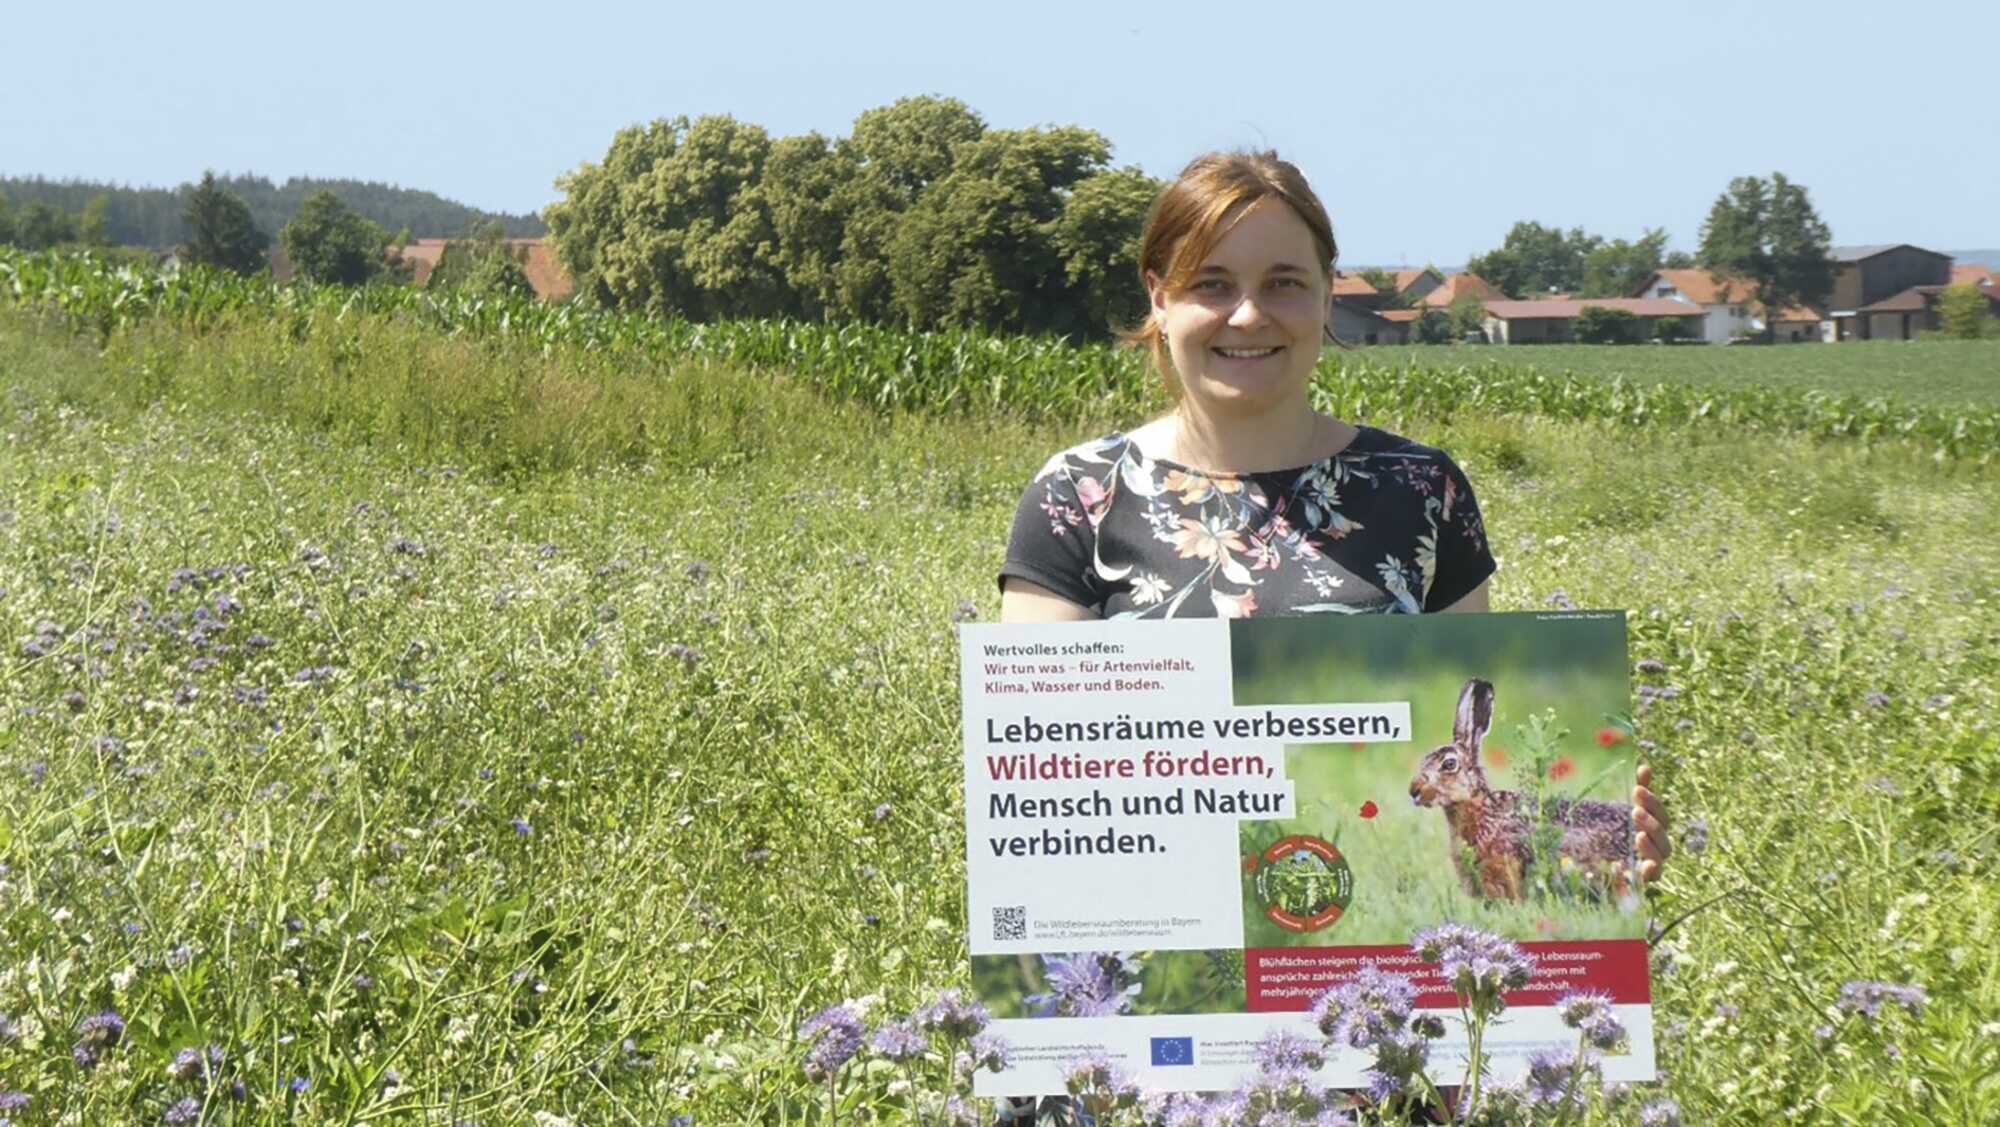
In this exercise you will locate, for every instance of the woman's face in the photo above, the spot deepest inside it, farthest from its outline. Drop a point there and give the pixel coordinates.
(1246, 333)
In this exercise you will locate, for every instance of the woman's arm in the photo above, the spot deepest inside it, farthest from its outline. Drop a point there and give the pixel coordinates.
(1474, 602)
(1022, 601)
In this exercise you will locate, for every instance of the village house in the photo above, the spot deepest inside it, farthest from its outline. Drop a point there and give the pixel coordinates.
(1553, 322)
(1728, 308)
(545, 274)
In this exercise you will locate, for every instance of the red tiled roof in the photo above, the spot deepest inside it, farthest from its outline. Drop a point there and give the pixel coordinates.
(1971, 274)
(1407, 278)
(1353, 285)
(1564, 310)
(1464, 285)
(1400, 314)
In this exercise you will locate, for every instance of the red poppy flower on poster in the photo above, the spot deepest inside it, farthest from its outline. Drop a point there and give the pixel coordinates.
(1562, 768)
(1369, 809)
(1609, 737)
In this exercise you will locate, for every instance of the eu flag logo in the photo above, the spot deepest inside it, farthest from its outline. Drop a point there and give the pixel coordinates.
(1173, 1050)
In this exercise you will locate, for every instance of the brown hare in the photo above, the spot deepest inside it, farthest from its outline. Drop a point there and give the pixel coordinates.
(1491, 831)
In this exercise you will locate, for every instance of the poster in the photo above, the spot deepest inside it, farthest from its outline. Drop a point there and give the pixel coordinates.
(1179, 833)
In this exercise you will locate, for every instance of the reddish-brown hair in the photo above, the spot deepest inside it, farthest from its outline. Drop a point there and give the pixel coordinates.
(1192, 215)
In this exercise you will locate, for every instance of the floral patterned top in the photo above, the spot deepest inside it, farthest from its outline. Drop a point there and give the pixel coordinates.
(1386, 525)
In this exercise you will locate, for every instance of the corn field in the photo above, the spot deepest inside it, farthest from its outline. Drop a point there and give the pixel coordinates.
(968, 371)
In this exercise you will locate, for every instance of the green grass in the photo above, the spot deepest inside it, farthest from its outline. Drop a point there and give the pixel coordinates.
(1942, 373)
(692, 626)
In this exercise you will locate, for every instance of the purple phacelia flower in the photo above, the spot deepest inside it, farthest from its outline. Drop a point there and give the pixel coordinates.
(300, 1083)
(257, 641)
(1097, 1079)
(14, 1101)
(1284, 1051)
(1661, 1112)
(1590, 1012)
(990, 1051)
(522, 827)
(1366, 1008)
(951, 1014)
(1694, 837)
(1086, 984)
(1477, 964)
(1867, 998)
(832, 1037)
(900, 1041)
(1552, 1078)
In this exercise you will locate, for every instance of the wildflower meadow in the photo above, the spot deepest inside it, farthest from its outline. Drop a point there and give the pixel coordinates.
(416, 720)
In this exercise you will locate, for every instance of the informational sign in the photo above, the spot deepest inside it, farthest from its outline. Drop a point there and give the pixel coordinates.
(1179, 834)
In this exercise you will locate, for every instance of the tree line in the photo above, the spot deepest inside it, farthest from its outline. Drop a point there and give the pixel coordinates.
(921, 216)
(1764, 232)
(154, 217)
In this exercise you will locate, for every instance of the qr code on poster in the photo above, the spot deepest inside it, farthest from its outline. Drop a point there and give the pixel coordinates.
(1010, 923)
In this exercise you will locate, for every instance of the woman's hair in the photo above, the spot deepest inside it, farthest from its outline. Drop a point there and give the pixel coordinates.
(1193, 213)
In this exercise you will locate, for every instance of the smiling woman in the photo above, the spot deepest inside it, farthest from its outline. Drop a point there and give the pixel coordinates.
(1243, 500)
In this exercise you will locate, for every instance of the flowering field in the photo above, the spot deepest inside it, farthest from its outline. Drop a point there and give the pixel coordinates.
(410, 727)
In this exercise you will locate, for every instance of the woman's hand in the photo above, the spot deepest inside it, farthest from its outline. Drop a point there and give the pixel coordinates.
(1649, 826)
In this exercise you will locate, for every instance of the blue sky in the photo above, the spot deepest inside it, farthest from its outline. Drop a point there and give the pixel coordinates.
(1427, 128)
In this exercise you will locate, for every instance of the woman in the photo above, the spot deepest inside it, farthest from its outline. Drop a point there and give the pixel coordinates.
(1244, 500)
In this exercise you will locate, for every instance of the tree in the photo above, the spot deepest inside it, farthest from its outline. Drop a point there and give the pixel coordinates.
(1965, 313)
(1097, 239)
(1534, 259)
(1767, 233)
(329, 242)
(978, 247)
(1432, 326)
(672, 223)
(807, 191)
(39, 227)
(1667, 330)
(6, 220)
(220, 232)
(896, 151)
(1385, 285)
(93, 227)
(1617, 268)
(1466, 316)
(1598, 324)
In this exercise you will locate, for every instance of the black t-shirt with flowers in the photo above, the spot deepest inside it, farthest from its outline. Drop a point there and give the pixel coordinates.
(1386, 525)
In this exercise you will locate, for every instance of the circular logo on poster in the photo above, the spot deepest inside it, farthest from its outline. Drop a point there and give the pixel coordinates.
(1303, 883)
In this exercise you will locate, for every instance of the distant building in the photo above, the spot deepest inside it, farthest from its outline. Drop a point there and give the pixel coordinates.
(1460, 286)
(545, 275)
(1877, 291)
(1358, 324)
(1553, 322)
(1728, 308)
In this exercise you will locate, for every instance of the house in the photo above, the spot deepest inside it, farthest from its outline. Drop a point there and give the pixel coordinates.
(1871, 284)
(1973, 274)
(1552, 322)
(1729, 309)
(1460, 286)
(1416, 285)
(1355, 323)
(1357, 290)
(545, 274)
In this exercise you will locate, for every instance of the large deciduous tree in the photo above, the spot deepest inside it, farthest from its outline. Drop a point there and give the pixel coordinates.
(220, 231)
(895, 152)
(330, 242)
(978, 248)
(1617, 268)
(1097, 238)
(671, 222)
(1768, 233)
(1534, 259)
